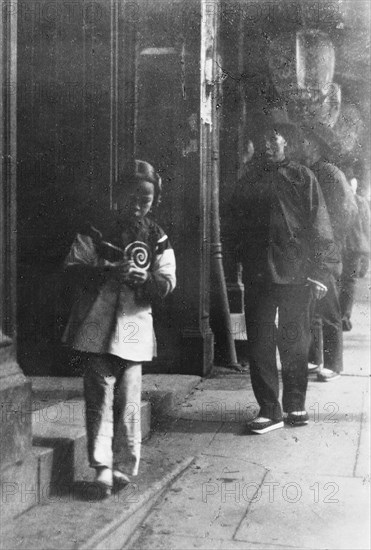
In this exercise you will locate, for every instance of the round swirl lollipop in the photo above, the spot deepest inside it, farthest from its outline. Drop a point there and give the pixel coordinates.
(139, 253)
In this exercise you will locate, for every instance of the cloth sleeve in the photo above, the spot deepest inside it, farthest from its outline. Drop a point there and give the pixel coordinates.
(325, 258)
(83, 266)
(82, 252)
(162, 276)
(339, 199)
(364, 214)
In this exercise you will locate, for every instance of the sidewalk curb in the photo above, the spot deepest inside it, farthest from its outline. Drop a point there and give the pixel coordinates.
(124, 526)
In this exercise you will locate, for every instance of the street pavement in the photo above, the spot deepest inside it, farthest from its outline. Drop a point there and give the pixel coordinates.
(205, 483)
(305, 487)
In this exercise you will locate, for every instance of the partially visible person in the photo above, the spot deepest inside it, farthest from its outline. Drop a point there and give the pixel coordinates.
(326, 352)
(247, 160)
(120, 265)
(247, 156)
(356, 255)
(282, 233)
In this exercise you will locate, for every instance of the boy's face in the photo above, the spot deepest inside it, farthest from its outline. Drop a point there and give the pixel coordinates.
(275, 145)
(310, 151)
(137, 200)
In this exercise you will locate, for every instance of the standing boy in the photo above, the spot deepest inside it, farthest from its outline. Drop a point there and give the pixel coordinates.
(342, 209)
(283, 234)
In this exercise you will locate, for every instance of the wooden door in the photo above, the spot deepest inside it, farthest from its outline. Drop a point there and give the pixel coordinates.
(75, 126)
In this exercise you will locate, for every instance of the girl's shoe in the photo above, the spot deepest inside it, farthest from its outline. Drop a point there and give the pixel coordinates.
(120, 479)
(104, 480)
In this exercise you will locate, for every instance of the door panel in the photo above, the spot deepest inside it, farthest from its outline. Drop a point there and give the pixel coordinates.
(72, 95)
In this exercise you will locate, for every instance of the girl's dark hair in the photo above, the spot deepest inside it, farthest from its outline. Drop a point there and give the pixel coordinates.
(140, 170)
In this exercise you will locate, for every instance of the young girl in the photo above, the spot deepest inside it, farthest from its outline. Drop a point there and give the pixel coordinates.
(120, 267)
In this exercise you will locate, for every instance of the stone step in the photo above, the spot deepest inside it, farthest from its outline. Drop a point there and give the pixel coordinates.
(77, 520)
(163, 391)
(18, 488)
(61, 428)
(46, 389)
(238, 323)
(58, 458)
(166, 391)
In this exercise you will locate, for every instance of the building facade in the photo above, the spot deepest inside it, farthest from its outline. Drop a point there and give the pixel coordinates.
(86, 85)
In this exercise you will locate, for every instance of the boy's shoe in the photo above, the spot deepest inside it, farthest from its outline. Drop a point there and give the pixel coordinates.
(120, 479)
(263, 425)
(313, 367)
(104, 480)
(327, 375)
(347, 325)
(296, 418)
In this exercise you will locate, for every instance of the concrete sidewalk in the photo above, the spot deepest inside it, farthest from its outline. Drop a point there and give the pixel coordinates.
(205, 483)
(304, 487)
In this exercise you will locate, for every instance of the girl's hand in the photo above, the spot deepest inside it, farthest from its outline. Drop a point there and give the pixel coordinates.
(137, 276)
(130, 274)
(123, 270)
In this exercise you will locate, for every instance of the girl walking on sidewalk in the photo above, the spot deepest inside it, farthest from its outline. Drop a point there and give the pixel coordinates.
(120, 265)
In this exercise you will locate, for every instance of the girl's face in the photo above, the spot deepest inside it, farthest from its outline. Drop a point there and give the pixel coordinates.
(137, 201)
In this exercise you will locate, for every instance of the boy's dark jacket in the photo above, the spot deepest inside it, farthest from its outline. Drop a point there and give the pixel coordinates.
(358, 238)
(280, 227)
(340, 201)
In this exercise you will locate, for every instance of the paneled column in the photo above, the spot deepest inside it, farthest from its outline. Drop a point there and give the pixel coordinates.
(198, 339)
(15, 389)
(176, 130)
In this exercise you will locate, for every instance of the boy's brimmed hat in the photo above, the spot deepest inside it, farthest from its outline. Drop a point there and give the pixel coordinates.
(278, 119)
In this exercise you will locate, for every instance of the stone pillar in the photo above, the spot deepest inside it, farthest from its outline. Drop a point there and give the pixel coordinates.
(198, 339)
(15, 389)
(176, 130)
(232, 149)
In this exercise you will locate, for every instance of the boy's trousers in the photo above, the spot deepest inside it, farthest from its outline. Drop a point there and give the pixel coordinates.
(112, 389)
(349, 277)
(292, 336)
(328, 319)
